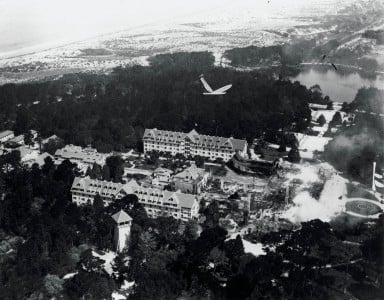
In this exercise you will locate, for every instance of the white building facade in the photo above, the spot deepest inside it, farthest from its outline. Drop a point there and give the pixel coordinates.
(122, 230)
(155, 201)
(192, 144)
(6, 135)
(83, 157)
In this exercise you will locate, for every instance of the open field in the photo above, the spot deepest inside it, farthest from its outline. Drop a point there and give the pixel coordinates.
(214, 31)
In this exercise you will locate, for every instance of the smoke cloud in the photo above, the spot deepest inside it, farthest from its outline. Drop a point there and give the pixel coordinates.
(331, 201)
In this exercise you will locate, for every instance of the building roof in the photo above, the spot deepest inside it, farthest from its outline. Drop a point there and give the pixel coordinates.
(191, 172)
(94, 186)
(24, 151)
(121, 217)
(52, 137)
(329, 114)
(312, 143)
(112, 189)
(130, 187)
(164, 136)
(5, 133)
(161, 170)
(86, 155)
(317, 106)
(185, 200)
(17, 139)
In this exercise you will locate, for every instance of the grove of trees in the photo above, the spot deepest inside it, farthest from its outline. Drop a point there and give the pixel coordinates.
(111, 111)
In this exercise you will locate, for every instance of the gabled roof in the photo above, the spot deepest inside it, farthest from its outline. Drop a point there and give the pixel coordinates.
(238, 144)
(191, 172)
(17, 139)
(185, 200)
(195, 137)
(162, 170)
(121, 217)
(130, 187)
(5, 133)
(192, 135)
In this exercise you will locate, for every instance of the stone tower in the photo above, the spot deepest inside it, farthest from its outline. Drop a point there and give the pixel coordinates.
(122, 230)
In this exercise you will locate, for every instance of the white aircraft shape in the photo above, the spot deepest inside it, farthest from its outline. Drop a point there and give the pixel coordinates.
(210, 91)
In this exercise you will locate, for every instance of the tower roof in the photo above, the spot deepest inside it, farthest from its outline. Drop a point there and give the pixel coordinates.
(121, 216)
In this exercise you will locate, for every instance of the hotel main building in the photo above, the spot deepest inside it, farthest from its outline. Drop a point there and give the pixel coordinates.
(192, 143)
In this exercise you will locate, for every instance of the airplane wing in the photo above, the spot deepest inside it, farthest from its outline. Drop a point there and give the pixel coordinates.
(206, 85)
(223, 89)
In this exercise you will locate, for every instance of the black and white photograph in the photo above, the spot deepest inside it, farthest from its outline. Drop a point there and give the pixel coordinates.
(192, 150)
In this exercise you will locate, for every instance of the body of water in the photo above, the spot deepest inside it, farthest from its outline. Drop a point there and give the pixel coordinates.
(339, 87)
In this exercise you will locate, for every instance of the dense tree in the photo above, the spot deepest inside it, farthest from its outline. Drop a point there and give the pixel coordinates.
(211, 214)
(168, 258)
(98, 203)
(90, 263)
(359, 145)
(114, 164)
(294, 155)
(336, 120)
(28, 138)
(106, 173)
(145, 97)
(89, 285)
(321, 120)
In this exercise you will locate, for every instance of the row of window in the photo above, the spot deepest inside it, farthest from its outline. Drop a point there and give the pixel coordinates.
(197, 146)
(222, 153)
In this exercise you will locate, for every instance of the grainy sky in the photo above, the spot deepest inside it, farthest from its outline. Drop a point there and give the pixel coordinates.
(26, 23)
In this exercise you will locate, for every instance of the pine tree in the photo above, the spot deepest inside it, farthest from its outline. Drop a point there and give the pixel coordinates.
(294, 155)
(106, 173)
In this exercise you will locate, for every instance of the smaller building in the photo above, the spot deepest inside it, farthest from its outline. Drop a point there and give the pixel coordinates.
(6, 135)
(52, 138)
(253, 166)
(309, 145)
(26, 152)
(233, 182)
(17, 140)
(34, 133)
(122, 230)
(191, 180)
(83, 157)
(35, 158)
(161, 177)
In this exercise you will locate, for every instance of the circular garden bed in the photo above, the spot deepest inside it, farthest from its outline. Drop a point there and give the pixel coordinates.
(362, 207)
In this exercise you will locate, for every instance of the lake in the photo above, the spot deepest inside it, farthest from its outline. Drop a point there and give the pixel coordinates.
(339, 87)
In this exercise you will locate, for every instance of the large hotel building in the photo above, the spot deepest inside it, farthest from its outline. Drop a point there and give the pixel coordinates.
(155, 201)
(193, 144)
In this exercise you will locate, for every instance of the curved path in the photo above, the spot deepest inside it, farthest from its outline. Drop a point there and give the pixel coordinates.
(373, 216)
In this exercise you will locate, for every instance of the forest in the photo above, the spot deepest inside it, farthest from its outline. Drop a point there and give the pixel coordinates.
(111, 111)
(49, 237)
(290, 56)
(45, 236)
(363, 143)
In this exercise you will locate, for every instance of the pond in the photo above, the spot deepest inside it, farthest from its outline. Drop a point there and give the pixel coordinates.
(339, 86)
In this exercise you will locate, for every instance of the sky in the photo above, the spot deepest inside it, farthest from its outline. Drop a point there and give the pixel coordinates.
(34, 21)
(25, 23)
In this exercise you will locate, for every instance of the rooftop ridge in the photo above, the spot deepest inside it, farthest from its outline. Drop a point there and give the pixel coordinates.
(193, 130)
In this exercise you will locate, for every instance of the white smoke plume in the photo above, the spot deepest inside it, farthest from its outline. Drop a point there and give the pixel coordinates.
(330, 204)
